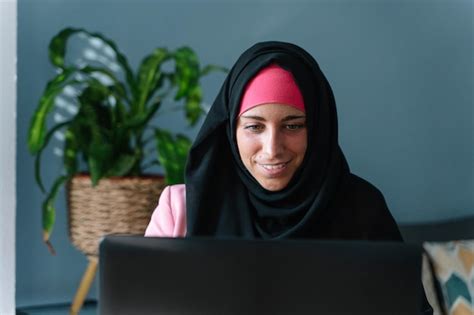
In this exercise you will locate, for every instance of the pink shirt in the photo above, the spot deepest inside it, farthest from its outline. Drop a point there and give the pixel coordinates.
(169, 217)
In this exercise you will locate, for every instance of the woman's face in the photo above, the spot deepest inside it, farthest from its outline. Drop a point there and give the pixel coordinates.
(272, 140)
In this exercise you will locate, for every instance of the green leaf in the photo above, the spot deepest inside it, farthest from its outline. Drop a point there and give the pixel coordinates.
(118, 87)
(82, 133)
(150, 77)
(193, 107)
(38, 155)
(172, 155)
(95, 169)
(57, 51)
(140, 120)
(120, 113)
(70, 152)
(213, 68)
(37, 130)
(122, 165)
(57, 46)
(48, 209)
(187, 71)
(99, 155)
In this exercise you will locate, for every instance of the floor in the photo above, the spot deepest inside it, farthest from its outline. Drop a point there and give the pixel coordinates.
(89, 308)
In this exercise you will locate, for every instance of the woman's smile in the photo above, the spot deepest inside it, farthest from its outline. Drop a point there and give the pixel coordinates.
(274, 170)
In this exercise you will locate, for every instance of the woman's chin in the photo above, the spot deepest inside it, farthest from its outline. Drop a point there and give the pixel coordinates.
(274, 184)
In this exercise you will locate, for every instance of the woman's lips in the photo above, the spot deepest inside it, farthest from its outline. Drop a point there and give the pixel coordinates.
(273, 169)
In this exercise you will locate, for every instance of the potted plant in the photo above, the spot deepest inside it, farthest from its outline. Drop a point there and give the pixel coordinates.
(108, 136)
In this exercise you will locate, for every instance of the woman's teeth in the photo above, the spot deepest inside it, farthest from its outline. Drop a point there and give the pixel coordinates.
(274, 166)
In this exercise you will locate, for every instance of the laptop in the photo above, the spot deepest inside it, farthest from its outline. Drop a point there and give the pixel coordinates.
(141, 275)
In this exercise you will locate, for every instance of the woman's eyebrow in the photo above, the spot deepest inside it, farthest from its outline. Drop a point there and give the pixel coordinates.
(253, 117)
(292, 117)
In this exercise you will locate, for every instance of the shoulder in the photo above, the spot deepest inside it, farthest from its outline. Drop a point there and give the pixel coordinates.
(173, 197)
(169, 217)
(369, 209)
(175, 194)
(356, 195)
(363, 191)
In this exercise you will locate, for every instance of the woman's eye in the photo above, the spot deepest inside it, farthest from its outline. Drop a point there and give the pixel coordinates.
(295, 126)
(254, 128)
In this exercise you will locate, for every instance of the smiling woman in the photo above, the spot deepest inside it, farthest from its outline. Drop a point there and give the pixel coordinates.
(267, 163)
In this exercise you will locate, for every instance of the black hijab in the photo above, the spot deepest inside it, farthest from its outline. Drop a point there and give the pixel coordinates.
(223, 199)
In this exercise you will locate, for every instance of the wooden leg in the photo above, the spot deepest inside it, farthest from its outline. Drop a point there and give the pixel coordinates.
(85, 285)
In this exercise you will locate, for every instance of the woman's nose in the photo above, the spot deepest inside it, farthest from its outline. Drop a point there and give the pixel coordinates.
(273, 144)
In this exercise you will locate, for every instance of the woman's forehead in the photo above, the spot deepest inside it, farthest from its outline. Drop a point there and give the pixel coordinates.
(273, 110)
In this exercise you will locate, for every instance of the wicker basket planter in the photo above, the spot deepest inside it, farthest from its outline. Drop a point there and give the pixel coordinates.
(115, 205)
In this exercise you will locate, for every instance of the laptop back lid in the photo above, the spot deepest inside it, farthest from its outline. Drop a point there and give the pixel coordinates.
(141, 275)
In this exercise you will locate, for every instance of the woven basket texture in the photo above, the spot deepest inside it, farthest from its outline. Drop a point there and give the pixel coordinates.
(116, 205)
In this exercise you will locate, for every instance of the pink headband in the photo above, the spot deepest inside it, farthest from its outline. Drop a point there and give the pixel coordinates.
(272, 84)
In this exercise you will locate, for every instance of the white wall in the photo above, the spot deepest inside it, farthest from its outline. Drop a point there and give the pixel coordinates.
(8, 31)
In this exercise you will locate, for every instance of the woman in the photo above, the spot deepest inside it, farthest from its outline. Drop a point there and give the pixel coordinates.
(267, 163)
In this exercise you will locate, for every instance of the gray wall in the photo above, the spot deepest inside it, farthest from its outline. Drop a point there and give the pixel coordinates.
(401, 71)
